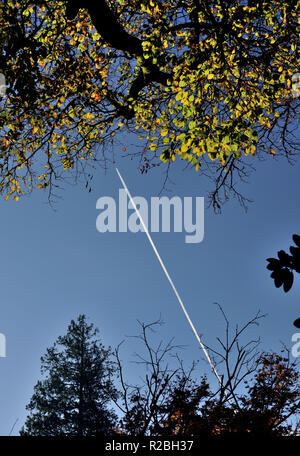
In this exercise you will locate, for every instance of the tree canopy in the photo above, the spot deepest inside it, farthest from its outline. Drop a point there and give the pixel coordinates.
(74, 397)
(209, 83)
(167, 399)
(263, 392)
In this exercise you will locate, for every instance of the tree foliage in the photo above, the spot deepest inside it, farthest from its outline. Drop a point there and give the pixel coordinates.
(283, 267)
(271, 398)
(263, 389)
(205, 82)
(262, 392)
(73, 399)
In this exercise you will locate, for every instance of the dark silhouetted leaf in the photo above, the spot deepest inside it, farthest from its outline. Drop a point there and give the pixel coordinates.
(296, 239)
(273, 264)
(288, 280)
(296, 265)
(297, 323)
(284, 257)
(295, 251)
(278, 278)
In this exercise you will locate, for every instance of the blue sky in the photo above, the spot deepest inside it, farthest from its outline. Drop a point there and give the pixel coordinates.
(56, 265)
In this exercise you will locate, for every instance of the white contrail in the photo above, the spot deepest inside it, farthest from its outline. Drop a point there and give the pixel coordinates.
(171, 283)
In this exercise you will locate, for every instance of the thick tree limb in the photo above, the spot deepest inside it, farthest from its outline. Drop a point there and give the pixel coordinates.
(113, 33)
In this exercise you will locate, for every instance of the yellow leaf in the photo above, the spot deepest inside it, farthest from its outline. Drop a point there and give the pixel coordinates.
(89, 116)
(153, 146)
(250, 150)
(95, 96)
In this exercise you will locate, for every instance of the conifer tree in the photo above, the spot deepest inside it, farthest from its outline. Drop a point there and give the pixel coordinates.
(73, 399)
